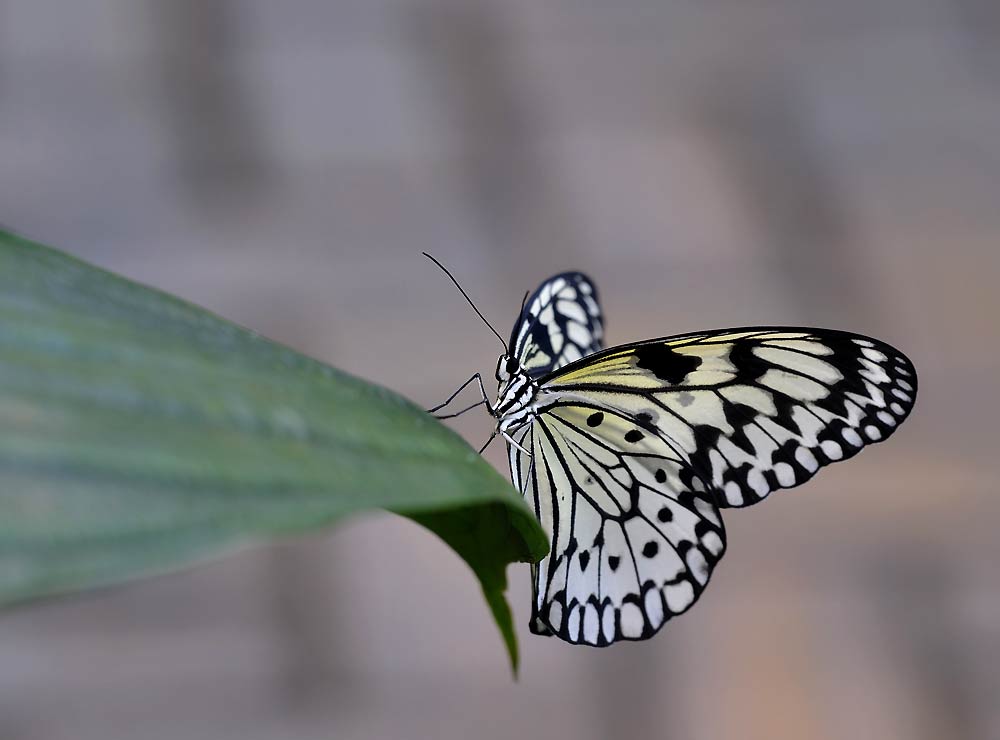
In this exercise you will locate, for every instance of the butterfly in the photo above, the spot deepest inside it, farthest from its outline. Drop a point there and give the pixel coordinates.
(627, 455)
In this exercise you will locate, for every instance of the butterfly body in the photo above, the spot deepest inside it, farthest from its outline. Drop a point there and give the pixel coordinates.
(627, 455)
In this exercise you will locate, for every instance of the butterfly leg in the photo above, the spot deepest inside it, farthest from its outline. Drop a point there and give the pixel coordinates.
(516, 444)
(461, 388)
(506, 436)
(483, 448)
(480, 402)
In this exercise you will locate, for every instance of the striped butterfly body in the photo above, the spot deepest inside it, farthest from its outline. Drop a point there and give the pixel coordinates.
(628, 454)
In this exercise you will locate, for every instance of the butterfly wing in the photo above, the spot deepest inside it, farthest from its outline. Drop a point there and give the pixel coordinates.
(639, 444)
(636, 446)
(751, 410)
(560, 322)
(633, 543)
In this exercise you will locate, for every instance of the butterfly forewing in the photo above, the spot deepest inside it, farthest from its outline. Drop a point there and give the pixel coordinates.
(561, 322)
(753, 410)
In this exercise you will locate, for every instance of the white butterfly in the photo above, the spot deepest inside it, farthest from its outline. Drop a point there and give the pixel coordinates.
(627, 454)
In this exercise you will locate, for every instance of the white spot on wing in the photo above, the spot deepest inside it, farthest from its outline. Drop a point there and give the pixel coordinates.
(697, 565)
(755, 479)
(785, 474)
(806, 364)
(756, 398)
(654, 607)
(734, 494)
(873, 372)
(712, 542)
(555, 615)
(578, 333)
(608, 622)
(573, 625)
(852, 437)
(679, 596)
(807, 459)
(631, 620)
(831, 449)
(591, 624)
(572, 310)
(799, 388)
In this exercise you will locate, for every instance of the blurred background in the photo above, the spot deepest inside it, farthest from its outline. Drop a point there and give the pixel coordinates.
(710, 164)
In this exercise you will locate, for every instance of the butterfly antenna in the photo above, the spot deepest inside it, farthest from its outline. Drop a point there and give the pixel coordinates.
(478, 312)
(523, 301)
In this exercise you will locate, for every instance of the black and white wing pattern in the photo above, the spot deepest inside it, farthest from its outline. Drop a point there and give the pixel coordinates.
(633, 542)
(753, 409)
(635, 448)
(561, 322)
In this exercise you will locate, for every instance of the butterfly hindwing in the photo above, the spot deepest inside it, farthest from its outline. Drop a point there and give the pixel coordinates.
(633, 543)
(561, 322)
(753, 410)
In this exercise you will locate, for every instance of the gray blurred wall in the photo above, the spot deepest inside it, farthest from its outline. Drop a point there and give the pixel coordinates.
(710, 163)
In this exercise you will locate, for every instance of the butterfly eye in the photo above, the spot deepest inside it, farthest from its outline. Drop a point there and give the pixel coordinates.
(502, 365)
(511, 366)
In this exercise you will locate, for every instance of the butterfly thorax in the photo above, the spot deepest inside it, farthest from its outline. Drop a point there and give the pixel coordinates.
(518, 392)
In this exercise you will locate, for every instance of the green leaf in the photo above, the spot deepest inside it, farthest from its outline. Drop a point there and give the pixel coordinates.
(141, 433)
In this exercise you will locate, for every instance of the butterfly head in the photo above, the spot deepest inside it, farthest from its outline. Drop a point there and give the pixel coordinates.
(507, 368)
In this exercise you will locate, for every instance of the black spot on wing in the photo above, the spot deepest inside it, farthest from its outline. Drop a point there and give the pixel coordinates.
(667, 365)
(738, 414)
(749, 366)
(645, 420)
(706, 435)
(785, 407)
(835, 403)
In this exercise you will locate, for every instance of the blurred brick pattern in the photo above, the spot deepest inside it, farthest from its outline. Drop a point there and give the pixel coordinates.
(711, 164)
